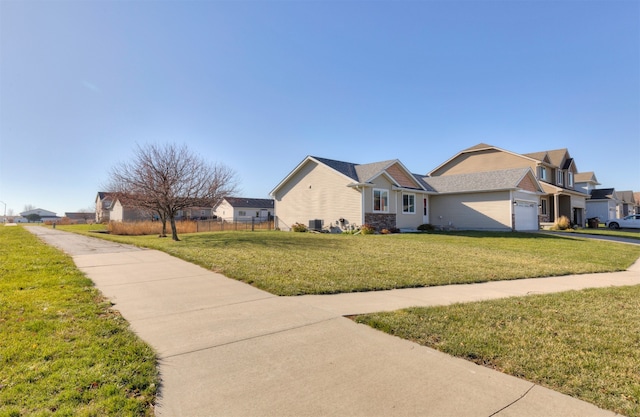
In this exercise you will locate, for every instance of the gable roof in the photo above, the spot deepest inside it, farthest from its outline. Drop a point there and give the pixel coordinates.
(603, 194)
(586, 177)
(507, 179)
(626, 196)
(362, 173)
(249, 202)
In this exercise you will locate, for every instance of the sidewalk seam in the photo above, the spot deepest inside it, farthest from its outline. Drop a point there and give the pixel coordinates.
(249, 338)
(514, 401)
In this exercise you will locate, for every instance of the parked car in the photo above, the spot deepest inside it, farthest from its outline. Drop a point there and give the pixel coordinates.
(630, 222)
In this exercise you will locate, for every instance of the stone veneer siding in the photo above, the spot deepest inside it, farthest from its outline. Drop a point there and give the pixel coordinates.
(380, 220)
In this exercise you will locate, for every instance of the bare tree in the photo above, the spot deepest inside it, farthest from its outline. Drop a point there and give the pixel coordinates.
(164, 179)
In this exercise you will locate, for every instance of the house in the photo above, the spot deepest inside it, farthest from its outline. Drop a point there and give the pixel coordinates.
(604, 204)
(40, 215)
(239, 209)
(120, 211)
(336, 195)
(195, 213)
(555, 170)
(489, 200)
(104, 202)
(628, 203)
(585, 182)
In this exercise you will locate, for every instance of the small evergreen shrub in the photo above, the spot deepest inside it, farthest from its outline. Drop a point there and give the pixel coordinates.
(426, 227)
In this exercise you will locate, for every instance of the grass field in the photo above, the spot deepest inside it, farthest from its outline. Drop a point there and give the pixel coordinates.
(286, 263)
(63, 351)
(583, 343)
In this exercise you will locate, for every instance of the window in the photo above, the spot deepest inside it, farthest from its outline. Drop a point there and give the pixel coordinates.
(543, 173)
(543, 206)
(380, 200)
(570, 179)
(408, 203)
(242, 213)
(425, 206)
(560, 177)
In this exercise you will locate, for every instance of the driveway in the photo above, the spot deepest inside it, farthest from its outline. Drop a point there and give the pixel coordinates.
(228, 349)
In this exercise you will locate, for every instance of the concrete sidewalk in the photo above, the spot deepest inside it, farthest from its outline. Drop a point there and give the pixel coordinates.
(228, 349)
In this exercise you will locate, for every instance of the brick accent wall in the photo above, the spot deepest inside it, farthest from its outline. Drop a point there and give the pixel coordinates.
(380, 220)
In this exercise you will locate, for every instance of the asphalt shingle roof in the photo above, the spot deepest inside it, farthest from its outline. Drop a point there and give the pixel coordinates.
(477, 181)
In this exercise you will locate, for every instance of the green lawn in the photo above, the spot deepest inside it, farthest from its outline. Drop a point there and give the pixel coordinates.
(583, 343)
(287, 263)
(602, 231)
(63, 351)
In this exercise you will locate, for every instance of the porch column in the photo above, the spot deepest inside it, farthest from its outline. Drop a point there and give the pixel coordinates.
(556, 207)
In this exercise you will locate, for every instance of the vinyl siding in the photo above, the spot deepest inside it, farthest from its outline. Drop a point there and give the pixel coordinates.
(317, 192)
(481, 161)
(478, 211)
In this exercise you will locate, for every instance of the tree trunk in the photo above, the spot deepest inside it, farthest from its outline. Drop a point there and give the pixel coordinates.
(174, 232)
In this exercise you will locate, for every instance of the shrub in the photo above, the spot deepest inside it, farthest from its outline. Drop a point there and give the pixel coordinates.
(299, 227)
(367, 229)
(390, 231)
(563, 223)
(426, 227)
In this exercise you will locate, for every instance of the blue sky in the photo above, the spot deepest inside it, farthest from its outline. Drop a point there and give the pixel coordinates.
(259, 85)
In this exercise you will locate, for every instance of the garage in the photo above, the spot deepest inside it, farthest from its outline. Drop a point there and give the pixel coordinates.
(526, 215)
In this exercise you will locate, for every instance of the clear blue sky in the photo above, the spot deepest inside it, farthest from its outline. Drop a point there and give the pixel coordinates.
(259, 85)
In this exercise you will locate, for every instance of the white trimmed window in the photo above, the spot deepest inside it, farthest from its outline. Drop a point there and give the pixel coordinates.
(242, 213)
(543, 206)
(560, 177)
(570, 179)
(380, 200)
(408, 203)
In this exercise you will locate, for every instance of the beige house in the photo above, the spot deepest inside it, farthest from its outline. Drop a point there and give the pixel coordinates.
(331, 195)
(490, 200)
(555, 170)
(241, 209)
(104, 201)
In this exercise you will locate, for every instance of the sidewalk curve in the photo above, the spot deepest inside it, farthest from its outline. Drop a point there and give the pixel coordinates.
(228, 349)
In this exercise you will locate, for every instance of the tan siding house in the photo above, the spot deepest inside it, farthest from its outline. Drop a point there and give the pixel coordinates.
(334, 196)
(555, 170)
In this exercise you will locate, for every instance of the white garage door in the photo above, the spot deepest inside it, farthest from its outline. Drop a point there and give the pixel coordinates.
(526, 213)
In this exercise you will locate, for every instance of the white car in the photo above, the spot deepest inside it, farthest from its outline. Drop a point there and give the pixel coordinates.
(629, 222)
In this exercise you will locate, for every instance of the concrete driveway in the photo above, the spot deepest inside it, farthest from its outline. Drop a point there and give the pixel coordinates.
(228, 349)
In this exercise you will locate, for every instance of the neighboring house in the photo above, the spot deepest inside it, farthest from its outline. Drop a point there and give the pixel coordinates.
(121, 212)
(555, 170)
(104, 203)
(636, 197)
(585, 182)
(44, 215)
(627, 203)
(604, 204)
(491, 200)
(244, 209)
(335, 195)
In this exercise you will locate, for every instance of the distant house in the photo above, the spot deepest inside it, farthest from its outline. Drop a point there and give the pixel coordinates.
(120, 211)
(104, 203)
(628, 203)
(244, 209)
(40, 215)
(604, 204)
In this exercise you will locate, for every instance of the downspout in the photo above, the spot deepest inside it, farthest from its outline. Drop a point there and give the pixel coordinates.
(512, 205)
